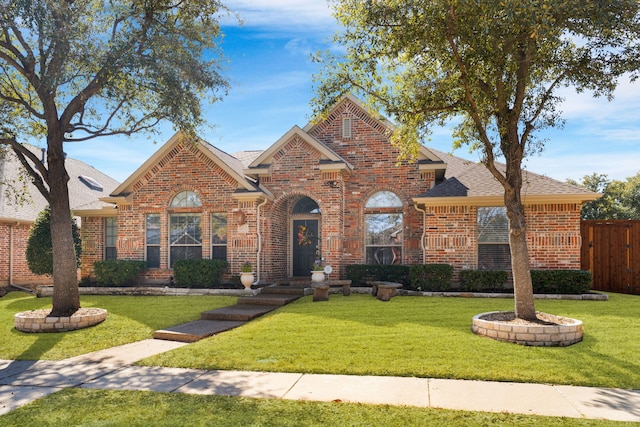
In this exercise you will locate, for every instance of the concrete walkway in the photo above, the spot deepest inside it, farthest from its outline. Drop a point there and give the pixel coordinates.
(24, 381)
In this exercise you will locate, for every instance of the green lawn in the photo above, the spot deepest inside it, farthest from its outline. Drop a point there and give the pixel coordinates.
(409, 336)
(130, 318)
(77, 407)
(424, 337)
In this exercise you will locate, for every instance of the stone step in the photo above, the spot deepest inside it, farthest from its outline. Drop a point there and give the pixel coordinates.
(283, 290)
(196, 330)
(276, 300)
(238, 312)
(294, 281)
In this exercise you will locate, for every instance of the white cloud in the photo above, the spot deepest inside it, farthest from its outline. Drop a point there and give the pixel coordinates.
(299, 46)
(283, 13)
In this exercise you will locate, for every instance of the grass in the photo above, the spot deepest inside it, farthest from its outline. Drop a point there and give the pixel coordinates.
(119, 408)
(424, 337)
(130, 318)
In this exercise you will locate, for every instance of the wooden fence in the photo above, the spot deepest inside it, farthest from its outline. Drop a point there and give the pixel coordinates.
(611, 250)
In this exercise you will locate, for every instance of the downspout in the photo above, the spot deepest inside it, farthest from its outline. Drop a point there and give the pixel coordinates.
(11, 255)
(259, 252)
(424, 231)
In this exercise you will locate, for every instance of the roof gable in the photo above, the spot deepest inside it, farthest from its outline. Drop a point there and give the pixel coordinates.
(350, 104)
(261, 163)
(226, 162)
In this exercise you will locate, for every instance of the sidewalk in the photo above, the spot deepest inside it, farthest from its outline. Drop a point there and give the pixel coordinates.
(24, 381)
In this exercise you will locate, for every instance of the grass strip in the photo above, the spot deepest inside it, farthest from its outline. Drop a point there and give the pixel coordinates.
(81, 407)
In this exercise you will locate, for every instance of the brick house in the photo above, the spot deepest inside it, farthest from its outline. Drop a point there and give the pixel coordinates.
(332, 191)
(86, 186)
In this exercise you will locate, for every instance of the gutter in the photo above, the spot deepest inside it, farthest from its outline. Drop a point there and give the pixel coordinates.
(11, 255)
(259, 252)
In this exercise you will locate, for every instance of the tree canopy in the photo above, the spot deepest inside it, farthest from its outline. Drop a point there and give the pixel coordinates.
(492, 68)
(620, 199)
(74, 70)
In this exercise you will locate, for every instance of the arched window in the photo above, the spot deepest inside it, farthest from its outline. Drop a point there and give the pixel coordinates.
(185, 229)
(306, 205)
(186, 199)
(384, 229)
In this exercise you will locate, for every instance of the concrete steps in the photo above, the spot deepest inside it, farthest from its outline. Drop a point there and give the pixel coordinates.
(238, 312)
(222, 319)
(196, 330)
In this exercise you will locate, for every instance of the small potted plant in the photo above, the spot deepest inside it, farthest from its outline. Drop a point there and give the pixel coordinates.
(317, 272)
(246, 275)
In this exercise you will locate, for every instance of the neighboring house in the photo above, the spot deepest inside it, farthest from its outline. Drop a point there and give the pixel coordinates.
(332, 191)
(21, 202)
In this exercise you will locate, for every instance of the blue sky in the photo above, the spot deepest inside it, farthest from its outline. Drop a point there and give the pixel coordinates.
(271, 76)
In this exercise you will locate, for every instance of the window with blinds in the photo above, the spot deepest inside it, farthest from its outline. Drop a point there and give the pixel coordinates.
(493, 239)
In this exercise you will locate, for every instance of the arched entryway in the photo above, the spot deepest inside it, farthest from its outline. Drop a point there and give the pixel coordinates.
(305, 235)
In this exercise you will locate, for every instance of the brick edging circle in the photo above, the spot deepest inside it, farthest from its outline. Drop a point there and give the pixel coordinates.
(39, 321)
(569, 331)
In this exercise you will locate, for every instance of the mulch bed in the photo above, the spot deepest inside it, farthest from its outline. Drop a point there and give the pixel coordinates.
(543, 319)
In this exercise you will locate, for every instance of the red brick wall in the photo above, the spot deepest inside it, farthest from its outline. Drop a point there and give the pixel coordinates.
(16, 237)
(92, 234)
(553, 235)
(184, 168)
(374, 162)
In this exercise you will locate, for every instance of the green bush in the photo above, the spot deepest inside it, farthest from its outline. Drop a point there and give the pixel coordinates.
(359, 274)
(561, 281)
(39, 251)
(118, 272)
(199, 273)
(431, 277)
(483, 280)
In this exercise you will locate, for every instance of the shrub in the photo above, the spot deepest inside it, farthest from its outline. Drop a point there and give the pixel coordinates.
(359, 274)
(561, 281)
(483, 280)
(39, 251)
(431, 277)
(199, 273)
(117, 272)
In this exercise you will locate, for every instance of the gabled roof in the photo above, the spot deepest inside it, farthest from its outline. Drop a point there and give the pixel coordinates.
(86, 186)
(427, 158)
(471, 183)
(225, 161)
(328, 157)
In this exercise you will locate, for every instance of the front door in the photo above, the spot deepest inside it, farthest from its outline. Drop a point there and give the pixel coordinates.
(305, 245)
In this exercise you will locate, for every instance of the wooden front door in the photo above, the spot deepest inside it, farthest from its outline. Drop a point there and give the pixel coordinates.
(305, 234)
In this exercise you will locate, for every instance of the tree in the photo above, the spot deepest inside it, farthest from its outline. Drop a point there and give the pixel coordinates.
(620, 199)
(74, 70)
(493, 67)
(631, 196)
(39, 249)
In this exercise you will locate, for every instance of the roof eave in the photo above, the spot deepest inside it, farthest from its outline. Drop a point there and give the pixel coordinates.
(107, 211)
(498, 200)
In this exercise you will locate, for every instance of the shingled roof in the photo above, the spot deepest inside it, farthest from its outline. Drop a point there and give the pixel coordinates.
(473, 181)
(86, 186)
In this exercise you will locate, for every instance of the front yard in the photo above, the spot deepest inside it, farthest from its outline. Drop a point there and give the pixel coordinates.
(359, 335)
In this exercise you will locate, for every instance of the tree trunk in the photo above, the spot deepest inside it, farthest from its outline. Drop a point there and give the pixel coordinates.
(522, 286)
(66, 297)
